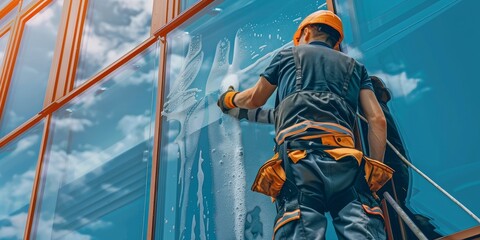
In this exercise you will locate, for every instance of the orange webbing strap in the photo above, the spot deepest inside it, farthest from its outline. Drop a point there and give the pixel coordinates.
(332, 128)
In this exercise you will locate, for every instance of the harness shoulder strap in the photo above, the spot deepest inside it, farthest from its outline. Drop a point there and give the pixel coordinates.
(346, 81)
(298, 70)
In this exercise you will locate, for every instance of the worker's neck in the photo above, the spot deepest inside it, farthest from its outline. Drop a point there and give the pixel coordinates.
(320, 39)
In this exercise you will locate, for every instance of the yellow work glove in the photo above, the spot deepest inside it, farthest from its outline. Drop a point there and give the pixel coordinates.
(225, 102)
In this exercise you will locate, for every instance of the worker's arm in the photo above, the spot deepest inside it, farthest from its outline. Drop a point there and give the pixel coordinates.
(251, 98)
(257, 115)
(377, 125)
(255, 96)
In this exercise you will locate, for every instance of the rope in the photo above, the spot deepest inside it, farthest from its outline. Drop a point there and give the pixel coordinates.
(405, 217)
(427, 178)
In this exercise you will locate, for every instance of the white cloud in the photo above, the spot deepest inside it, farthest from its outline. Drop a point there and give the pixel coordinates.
(14, 119)
(48, 19)
(106, 41)
(24, 144)
(109, 188)
(354, 52)
(72, 124)
(400, 84)
(65, 167)
(136, 128)
(137, 79)
(16, 192)
(16, 230)
(83, 162)
(133, 124)
(99, 225)
(9, 232)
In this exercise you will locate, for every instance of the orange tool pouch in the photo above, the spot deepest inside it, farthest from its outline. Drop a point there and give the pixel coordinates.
(271, 176)
(376, 173)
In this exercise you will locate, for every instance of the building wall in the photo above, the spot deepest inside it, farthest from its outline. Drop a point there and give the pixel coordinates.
(425, 53)
(109, 127)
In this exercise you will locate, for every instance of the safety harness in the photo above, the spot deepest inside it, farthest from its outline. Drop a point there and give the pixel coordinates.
(274, 177)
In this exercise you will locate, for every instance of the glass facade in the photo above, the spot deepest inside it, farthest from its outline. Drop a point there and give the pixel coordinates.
(112, 28)
(18, 161)
(32, 68)
(98, 154)
(209, 160)
(98, 161)
(432, 79)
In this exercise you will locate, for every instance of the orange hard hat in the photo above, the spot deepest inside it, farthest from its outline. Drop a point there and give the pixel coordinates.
(320, 17)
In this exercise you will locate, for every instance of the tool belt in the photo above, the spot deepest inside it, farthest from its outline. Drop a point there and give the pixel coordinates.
(271, 176)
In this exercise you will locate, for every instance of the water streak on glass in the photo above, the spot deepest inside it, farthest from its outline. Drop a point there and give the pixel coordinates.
(209, 159)
(433, 83)
(112, 28)
(8, 17)
(97, 165)
(32, 68)
(18, 161)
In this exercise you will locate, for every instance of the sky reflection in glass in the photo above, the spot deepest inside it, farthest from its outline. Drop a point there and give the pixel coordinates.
(97, 165)
(18, 162)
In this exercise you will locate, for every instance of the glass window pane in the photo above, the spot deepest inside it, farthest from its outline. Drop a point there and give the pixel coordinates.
(18, 162)
(3, 47)
(434, 86)
(3, 3)
(209, 160)
(97, 165)
(25, 3)
(8, 17)
(32, 69)
(112, 28)
(185, 4)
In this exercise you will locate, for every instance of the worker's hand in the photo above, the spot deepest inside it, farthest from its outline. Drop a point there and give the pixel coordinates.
(238, 113)
(225, 102)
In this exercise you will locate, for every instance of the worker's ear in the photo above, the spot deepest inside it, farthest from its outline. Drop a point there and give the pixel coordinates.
(307, 33)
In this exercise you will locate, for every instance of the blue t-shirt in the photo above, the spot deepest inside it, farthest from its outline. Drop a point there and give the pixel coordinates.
(281, 72)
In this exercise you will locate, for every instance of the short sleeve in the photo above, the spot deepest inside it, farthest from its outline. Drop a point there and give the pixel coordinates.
(366, 82)
(271, 73)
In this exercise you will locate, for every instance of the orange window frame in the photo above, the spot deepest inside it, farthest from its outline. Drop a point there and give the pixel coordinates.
(16, 28)
(4, 31)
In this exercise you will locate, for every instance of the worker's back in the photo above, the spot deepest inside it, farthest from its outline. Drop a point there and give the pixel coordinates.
(328, 92)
